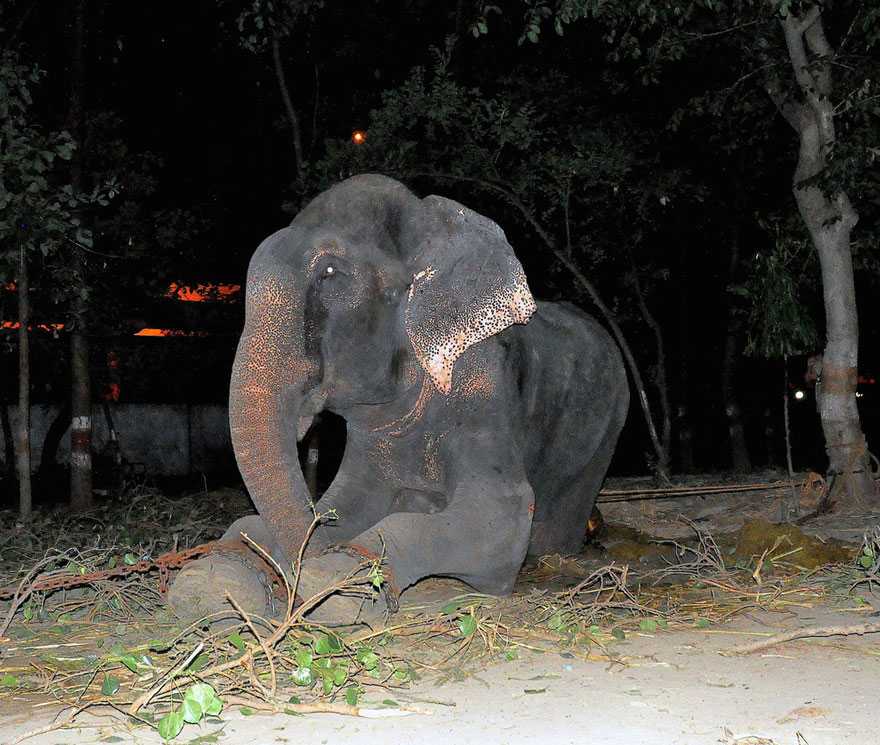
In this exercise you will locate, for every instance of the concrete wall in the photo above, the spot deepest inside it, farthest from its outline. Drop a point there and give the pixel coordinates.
(163, 439)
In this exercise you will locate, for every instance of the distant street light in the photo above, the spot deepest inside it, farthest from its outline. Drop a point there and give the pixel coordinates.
(799, 395)
(358, 137)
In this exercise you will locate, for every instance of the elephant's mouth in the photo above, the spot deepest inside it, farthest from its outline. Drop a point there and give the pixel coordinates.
(321, 445)
(312, 405)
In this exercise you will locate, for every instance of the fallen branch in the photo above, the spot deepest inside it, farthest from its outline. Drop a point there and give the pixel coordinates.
(325, 707)
(804, 633)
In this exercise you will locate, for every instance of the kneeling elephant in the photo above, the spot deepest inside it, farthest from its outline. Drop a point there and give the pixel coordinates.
(480, 424)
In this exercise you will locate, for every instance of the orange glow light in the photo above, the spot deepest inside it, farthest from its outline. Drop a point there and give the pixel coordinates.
(202, 293)
(358, 137)
(169, 332)
(13, 325)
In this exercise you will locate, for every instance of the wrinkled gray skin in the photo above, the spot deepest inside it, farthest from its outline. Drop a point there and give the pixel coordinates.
(461, 484)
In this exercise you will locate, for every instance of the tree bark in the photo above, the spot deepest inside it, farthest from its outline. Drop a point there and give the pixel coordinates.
(80, 379)
(23, 438)
(739, 452)
(829, 219)
(291, 111)
(660, 380)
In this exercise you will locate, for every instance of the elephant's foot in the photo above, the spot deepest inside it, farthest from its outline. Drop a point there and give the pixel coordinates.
(207, 587)
(358, 602)
(203, 588)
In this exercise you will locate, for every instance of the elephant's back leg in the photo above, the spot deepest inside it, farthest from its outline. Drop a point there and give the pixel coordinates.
(581, 401)
(564, 504)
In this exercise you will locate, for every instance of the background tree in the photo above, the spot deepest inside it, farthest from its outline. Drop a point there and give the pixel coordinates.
(817, 66)
(36, 214)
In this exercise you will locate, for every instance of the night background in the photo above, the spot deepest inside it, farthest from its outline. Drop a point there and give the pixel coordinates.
(660, 169)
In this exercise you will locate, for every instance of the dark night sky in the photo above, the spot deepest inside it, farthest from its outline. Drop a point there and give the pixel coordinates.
(184, 89)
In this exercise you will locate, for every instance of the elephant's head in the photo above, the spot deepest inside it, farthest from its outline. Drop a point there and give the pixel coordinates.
(368, 282)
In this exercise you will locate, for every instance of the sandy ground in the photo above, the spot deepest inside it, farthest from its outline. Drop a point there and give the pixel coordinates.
(670, 688)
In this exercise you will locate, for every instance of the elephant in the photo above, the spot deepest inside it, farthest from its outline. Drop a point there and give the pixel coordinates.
(480, 423)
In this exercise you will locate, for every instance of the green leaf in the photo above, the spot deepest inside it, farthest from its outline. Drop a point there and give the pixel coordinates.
(130, 661)
(170, 725)
(662, 623)
(866, 561)
(9, 681)
(130, 559)
(702, 623)
(199, 663)
(191, 710)
(327, 684)
(236, 641)
(214, 707)
(351, 695)
(467, 625)
(340, 675)
(304, 658)
(201, 693)
(328, 644)
(294, 700)
(648, 625)
(618, 633)
(555, 622)
(452, 606)
(367, 657)
(510, 655)
(390, 702)
(110, 685)
(303, 676)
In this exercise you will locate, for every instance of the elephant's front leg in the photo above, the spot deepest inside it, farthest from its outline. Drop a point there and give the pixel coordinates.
(481, 537)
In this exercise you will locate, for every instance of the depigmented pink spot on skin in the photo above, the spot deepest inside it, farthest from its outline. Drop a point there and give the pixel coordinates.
(439, 344)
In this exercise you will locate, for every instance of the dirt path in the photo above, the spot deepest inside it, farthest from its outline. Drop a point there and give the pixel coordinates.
(669, 688)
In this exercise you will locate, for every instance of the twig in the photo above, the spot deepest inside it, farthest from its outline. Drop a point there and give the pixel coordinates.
(266, 651)
(327, 707)
(143, 700)
(806, 632)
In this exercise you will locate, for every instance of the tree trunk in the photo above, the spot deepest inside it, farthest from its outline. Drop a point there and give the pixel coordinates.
(80, 379)
(291, 111)
(829, 219)
(23, 439)
(660, 375)
(739, 452)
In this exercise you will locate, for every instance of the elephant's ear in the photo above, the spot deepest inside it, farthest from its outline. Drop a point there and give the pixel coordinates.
(467, 285)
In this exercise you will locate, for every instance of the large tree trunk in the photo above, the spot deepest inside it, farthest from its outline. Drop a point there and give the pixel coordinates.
(80, 378)
(829, 218)
(23, 434)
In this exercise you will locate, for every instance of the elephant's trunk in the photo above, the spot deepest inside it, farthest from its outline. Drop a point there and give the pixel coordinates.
(269, 377)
